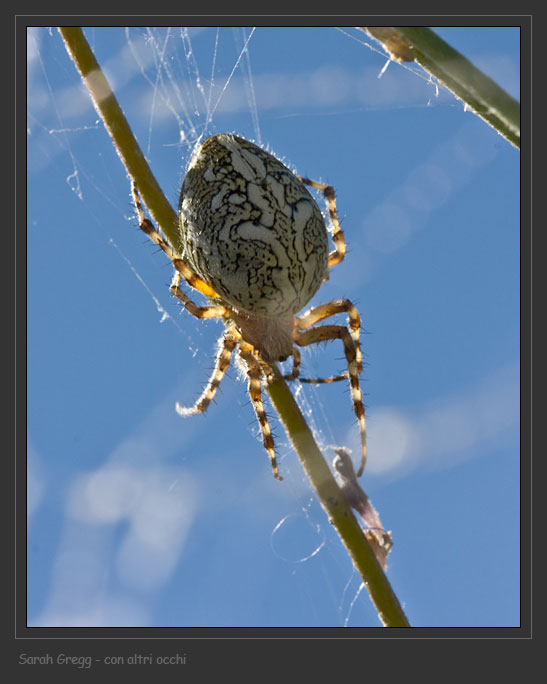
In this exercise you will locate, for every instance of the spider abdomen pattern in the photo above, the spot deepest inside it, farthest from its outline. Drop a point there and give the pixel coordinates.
(250, 229)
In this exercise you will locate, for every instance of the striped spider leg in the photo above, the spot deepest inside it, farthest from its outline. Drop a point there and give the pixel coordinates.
(336, 256)
(304, 335)
(255, 373)
(352, 349)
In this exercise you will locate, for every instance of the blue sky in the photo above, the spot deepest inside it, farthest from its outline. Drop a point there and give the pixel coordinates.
(138, 517)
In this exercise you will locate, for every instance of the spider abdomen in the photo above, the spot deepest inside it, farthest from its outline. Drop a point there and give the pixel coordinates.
(250, 228)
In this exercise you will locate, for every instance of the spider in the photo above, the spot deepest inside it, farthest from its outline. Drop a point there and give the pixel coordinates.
(255, 243)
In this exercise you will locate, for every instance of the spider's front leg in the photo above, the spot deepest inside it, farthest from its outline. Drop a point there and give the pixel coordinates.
(186, 272)
(339, 252)
(331, 332)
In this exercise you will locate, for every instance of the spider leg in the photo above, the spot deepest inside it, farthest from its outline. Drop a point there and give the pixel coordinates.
(295, 373)
(228, 343)
(295, 366)
(147, 227)
(323, 311)
(339, 252)
(254, 373)
(331, 332)
(324, 381)
(190, 306)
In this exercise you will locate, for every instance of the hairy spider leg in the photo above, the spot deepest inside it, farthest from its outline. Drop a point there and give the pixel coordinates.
(147, 227)
(295, 365)
(317, 314)
(227, 344)
(339, 252)
(216, 311)
(255, 374)
(332, 332)
(295, 373)
(332, 308)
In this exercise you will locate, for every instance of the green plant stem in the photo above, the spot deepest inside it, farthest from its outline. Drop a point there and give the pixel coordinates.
(126, 145)
(340, 514)
(480, 93)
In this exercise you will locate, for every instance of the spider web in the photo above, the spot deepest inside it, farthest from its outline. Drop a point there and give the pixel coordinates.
(154, 482)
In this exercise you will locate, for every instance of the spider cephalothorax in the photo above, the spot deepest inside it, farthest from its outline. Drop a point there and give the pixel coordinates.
(253, 240)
